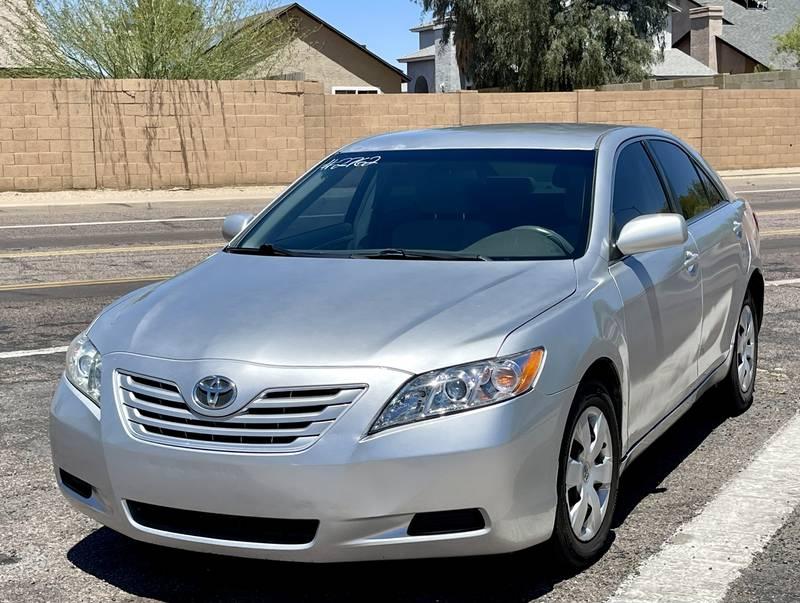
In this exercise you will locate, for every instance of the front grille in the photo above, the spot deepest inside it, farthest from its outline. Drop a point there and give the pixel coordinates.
(278, 420)
(223, 527)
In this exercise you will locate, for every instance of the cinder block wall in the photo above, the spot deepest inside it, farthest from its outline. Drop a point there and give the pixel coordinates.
(349, 117)
(679, 112)
(156, 134)
(751, 128)
(45, 135)
(75, 134)
(770, 80)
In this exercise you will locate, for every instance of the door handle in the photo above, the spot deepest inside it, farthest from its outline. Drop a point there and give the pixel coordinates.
(690, 263)
(737, 229)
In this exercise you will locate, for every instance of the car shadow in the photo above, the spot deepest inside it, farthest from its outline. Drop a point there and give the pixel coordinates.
(165, 574)
(645, 474)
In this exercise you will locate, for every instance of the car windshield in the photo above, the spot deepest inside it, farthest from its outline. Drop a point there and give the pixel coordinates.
(464, 204)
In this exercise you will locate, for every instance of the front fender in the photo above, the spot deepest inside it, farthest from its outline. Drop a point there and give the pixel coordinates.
(584, 328)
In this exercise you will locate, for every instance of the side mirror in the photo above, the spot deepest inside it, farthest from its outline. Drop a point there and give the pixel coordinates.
(652, 232)
(234, 224)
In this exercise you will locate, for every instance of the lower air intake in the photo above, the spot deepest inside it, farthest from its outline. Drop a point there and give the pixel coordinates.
(446, 522)
(235, 528)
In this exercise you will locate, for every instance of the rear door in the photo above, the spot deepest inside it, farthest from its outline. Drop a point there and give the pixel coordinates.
(716, 226)
(661, 296)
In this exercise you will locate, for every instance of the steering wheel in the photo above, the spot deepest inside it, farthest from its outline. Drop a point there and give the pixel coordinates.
(551, 235)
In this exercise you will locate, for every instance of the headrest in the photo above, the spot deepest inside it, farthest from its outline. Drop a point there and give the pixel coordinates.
(568, 176)
(447, 198)
(512, 188)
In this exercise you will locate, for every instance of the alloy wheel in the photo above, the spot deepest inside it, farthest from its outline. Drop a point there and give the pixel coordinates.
(588, 475)
(745, 348)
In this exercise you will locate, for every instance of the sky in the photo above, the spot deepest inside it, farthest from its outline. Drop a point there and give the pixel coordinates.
(380, 24)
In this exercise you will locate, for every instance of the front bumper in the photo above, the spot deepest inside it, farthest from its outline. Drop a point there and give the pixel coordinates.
(364, 491)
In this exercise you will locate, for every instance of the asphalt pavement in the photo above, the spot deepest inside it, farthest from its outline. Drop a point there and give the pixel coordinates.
(61, 264)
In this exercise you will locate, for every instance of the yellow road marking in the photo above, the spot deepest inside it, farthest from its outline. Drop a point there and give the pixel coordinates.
(60, 284)
(107, 250)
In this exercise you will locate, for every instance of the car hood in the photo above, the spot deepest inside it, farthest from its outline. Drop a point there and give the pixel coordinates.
(404, 314)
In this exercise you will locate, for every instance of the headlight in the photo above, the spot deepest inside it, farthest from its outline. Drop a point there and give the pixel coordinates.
(84, 365)
(461, 388)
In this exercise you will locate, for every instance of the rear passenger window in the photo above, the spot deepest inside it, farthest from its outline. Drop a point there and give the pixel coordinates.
(684, 181)
(713, 192)
(637, 189)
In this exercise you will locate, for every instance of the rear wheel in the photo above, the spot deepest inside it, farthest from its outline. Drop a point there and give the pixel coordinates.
(739, 385)
(588, 477)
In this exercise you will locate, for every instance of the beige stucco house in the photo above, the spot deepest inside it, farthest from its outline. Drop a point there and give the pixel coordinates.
(324, 54)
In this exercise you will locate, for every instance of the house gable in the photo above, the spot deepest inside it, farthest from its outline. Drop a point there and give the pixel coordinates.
(323, 53)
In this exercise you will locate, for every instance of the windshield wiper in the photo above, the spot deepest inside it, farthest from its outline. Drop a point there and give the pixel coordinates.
(403, 254)
(265, 249)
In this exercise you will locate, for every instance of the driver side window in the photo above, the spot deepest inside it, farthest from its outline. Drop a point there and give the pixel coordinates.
(637, 188)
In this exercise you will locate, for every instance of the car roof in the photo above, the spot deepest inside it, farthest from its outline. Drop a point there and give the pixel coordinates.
(500, 136)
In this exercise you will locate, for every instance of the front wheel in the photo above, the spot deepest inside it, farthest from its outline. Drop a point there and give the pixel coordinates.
(588, 477)
(739, 386)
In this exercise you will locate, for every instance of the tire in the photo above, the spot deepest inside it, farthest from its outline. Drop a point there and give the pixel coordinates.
(738, 387)
(578, 476)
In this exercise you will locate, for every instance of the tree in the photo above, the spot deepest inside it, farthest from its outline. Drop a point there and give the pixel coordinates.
(552, 44)
(152, 39)
(789, 42)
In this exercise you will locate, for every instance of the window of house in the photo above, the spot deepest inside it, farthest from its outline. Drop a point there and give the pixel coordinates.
(637, 188)
(356, 90)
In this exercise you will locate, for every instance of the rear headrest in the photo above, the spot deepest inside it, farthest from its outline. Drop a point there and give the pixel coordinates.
(446, 198)
(515, 188)
(568, 177)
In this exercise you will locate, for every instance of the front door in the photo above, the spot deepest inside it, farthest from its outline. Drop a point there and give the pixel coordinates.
(716, 225)
(662, 296)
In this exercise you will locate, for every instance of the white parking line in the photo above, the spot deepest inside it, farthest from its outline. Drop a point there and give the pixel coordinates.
(768, 190)
(41, 352)
(110, 223)
(707, 553)
(786, 281)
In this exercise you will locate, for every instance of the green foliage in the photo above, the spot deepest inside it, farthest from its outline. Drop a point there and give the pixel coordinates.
(531, 45)
(789, 42)
(152, 39)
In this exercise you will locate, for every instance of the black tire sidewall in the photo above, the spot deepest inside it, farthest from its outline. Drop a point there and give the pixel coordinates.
(739, 400)
(572, 550)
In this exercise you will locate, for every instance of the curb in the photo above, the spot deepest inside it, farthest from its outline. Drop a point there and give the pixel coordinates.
(760, 173)
(255, 194)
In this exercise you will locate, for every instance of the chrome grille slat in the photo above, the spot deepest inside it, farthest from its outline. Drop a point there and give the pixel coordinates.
(297, 444)
(130, 399)
(312, 429)
(278, 420)
(345, 396)
(327, 414)
(130, 384)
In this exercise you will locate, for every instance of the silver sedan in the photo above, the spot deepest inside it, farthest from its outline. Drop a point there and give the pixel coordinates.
(435, 343)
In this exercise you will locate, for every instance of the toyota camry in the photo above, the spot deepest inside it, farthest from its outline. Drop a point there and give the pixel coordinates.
(435, 343)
